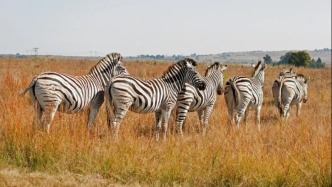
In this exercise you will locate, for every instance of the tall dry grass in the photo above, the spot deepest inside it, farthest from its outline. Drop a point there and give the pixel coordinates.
(296, 153)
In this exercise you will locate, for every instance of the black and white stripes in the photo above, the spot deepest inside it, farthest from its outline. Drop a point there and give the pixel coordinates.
(52, 91)
(290, 89)
(191, 99)
(157, 95)
(242, 92)
(181, 85)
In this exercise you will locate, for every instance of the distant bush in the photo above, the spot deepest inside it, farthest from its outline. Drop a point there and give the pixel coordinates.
(317, 64)
(300, 58)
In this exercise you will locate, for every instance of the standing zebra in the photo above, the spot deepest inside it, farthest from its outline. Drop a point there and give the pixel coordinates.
(292, 90)
(190, 99)
(156, 95)
(242, 92)
(52, 91)
(276, 85)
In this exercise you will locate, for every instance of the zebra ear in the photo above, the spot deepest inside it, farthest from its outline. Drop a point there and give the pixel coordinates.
(187, 64)
(119, 57)
(223, 68)
(307, 80)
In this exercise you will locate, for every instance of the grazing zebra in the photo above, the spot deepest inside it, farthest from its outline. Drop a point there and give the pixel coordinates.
(242, 92)
(292, 90)
(52, 91)
(190, 99)
(156, 95)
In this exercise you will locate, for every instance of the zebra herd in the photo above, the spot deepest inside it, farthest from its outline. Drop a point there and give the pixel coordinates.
(180, 88)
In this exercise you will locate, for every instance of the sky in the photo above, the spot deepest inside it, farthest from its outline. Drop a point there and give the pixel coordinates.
(168, 27)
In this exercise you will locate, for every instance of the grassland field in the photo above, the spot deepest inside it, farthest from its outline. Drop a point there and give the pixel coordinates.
(293, 153)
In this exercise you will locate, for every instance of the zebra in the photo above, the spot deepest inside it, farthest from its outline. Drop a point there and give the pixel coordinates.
(190, 99)
(52, 91)
(276, 85)
(292, 90)
(242, 92)
(156, 95)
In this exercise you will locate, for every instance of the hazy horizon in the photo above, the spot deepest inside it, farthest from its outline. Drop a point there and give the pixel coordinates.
(86, 28)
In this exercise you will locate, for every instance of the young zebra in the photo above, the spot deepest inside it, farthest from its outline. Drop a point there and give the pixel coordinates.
(293, 90)
(52, 91)
(242, 92)
(190, 99)
(157, 95)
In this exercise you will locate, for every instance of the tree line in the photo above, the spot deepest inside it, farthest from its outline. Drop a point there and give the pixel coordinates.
(299, 58)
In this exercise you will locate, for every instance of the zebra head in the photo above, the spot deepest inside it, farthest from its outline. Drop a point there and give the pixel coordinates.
(304, 83)
(119, 69)
(192, 76)
(288, 73)
(103, 69)
(215, 71)
(259, 71)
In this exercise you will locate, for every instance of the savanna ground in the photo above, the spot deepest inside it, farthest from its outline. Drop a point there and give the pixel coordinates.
(293, 153)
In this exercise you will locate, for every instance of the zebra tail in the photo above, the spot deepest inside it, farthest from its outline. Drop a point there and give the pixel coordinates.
(236, 93)
(279, 96)
(33, 82)
(109, 103)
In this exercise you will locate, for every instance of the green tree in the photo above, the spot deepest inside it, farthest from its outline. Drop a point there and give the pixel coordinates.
(319, 63)
(285, 58)
(267, 59)
(300, 58)
(313, 63)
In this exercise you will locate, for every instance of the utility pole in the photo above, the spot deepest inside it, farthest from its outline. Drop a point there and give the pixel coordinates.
(35, 50)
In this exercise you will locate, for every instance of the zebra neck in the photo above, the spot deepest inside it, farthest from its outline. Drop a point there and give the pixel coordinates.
(174, 78)
(102, 78)
(213, 79)
(259, 78)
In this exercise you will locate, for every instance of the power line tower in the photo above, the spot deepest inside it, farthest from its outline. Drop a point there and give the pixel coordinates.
(35, 50)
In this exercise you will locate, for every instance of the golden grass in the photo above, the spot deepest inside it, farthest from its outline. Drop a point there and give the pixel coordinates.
(296, 153)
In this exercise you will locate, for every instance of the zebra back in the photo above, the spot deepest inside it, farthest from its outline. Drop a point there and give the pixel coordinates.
(301, 84)
(184, 72)
(232, 92)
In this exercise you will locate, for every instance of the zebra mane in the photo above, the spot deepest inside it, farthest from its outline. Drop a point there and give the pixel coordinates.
(211, 67)
(181, 63)
(258, 68)
(107, 63)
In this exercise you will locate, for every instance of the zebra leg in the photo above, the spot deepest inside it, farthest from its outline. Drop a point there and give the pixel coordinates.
(258, 117)
(207, 113)
(201, 119)
(94, 108)
(241, 109)
(48, 116)
(158, 124)
(299, 105)
(165, 117)
(246, 117)
(286, 111)
(39, 112)
(119, 113)
(180, 117)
